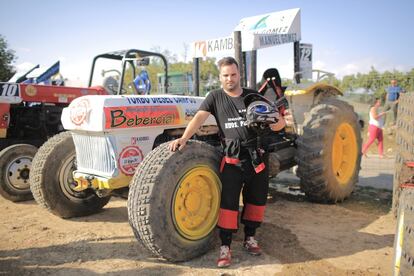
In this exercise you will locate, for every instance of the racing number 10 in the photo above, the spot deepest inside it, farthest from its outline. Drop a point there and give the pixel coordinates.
(9, 90)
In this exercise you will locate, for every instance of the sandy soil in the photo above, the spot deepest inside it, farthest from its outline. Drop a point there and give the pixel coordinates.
(298, 238)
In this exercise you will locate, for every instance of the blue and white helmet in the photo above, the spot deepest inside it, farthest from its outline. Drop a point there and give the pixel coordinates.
(260, 112)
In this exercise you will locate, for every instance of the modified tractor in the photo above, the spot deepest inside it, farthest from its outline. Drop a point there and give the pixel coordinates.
(30, 113)
(120, 141)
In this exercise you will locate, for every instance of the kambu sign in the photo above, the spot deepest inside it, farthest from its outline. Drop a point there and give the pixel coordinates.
(213, 47)
(257, 32)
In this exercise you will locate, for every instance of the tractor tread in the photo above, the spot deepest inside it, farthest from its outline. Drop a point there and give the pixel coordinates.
(313, 153)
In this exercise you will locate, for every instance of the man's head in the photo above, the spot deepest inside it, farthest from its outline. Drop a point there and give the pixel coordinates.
(393, 82)
(229, 74)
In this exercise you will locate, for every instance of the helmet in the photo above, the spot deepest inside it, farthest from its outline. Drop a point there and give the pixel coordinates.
(261, 114)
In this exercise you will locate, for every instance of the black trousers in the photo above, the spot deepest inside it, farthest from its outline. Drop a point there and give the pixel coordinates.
(254, 186)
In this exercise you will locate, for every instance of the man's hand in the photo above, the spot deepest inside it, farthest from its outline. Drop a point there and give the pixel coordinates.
(194, 124)
(279, 124)
(177, 143)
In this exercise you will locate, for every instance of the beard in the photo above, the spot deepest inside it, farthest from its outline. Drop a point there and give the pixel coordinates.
(231, 86)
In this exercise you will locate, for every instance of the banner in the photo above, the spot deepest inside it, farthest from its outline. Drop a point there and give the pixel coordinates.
(257, 32)
(270, 29)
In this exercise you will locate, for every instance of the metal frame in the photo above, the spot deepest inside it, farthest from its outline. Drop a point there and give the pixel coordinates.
(240, 56)
(129, 56)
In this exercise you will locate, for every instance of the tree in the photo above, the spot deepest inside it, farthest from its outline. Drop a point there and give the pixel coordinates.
(348, 83)
(6, 59)
(377, 82)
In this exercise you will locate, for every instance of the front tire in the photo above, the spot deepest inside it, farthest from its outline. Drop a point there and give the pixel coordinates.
(52, 183)
(15, 163)
(329, 152)
(174, 199)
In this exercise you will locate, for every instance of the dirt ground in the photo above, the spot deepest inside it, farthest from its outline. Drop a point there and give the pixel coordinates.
(298, 238)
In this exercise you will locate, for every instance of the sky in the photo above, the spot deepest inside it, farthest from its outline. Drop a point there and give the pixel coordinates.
(347, 36)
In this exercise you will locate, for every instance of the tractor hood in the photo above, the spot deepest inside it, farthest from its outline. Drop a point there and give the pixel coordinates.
(110, 113)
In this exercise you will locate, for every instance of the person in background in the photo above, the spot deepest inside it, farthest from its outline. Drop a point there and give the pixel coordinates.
(239, 170)
(376, 124)
(393, 94)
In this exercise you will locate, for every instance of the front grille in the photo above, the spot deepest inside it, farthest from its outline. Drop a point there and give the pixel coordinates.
(95, 155)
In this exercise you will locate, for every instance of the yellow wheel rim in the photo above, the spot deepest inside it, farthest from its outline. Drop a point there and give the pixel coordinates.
(344, 153)
(196, 203)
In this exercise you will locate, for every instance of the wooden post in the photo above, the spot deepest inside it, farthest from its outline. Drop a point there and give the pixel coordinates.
(196, 76)
(253, 69)
(296, 58)
(245, 70)
(238, 54)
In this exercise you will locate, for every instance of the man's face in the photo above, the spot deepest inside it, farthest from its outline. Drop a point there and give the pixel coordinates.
(393, 82)
(230, 77)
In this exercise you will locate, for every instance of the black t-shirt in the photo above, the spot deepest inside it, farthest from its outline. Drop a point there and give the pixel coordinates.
(230, 113)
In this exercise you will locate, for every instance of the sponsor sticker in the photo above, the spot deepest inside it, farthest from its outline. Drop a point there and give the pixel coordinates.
(141, 116)
(136, 140)
(30, 90)
(79, 112)
(129, 159)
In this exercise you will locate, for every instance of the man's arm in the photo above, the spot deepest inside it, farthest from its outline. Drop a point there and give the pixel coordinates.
(200, 117)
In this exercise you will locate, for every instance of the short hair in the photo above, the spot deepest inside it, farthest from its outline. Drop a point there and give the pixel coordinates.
(227, 61)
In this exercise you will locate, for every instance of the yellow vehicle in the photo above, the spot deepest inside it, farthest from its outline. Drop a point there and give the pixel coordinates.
(328, 143)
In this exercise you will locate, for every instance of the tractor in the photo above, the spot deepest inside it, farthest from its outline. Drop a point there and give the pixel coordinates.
(30, 113)
(121, 141)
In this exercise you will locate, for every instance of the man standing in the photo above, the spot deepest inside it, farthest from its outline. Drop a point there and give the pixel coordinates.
(393, 94)
(240, 168)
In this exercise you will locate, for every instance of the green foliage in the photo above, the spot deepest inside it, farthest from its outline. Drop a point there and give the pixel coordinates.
(208, 68)
(377, 82)
(6, 59)
(208, 72)
(181, 67)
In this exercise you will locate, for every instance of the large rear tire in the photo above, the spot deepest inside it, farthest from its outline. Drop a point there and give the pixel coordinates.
(403, 198)
(329, 151)
(52, 183)
(405, 144)
(174, 199)
(15, 163)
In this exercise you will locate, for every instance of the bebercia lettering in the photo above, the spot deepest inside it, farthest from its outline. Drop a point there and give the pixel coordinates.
(118, 119)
